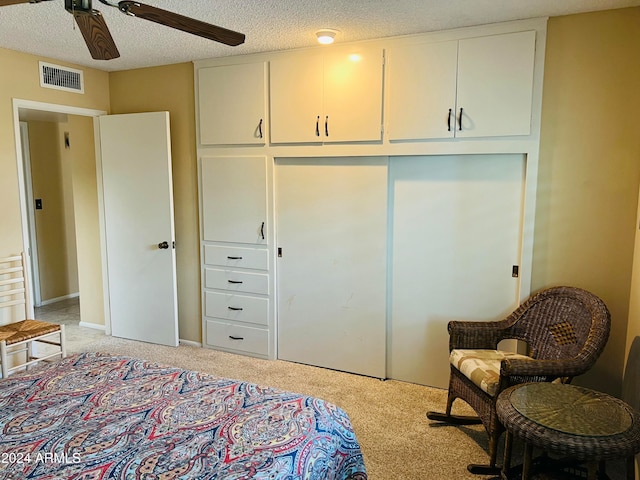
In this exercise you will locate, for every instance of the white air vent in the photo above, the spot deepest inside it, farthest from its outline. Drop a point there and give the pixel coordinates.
(61, 78)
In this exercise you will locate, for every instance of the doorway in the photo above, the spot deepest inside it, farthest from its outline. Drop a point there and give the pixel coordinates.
(49, 189)
(75, 256)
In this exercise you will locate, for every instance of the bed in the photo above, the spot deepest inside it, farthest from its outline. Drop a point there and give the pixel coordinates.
(99, 416)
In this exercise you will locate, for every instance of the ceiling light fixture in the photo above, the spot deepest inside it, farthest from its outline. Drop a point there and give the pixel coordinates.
(326, 36)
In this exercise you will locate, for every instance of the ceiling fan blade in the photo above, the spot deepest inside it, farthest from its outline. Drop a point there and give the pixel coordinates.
(180, 22)
(96, 35)
(4, 3)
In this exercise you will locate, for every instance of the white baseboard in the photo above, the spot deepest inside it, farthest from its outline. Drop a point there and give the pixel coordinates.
(189, 343)
(95, 326)
(58, 299)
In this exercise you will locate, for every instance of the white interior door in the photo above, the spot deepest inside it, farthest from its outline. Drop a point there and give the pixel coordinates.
(331, 226)
(138, 215)
(457, 223)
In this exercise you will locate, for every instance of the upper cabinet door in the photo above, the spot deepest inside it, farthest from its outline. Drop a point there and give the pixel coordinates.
(352, 95)
(422, 91)
(495, 85)
(332, 96)
(234, 199)
(296, 98)
(475, 87)
(231, 101)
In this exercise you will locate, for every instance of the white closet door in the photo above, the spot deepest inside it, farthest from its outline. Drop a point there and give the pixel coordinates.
(456, 236)
(331, 224)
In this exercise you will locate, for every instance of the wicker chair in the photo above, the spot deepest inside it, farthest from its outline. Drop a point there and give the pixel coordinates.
(565, 330)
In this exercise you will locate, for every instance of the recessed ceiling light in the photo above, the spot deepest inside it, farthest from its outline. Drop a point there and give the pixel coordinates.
(326, 36)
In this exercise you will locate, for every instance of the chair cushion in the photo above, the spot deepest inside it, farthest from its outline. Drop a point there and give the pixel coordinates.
(482, 367)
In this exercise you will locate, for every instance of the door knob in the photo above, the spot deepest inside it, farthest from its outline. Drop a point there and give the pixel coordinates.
(163, 245)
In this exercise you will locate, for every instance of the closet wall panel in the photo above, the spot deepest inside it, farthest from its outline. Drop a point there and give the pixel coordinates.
(456, 235)
(331, 225)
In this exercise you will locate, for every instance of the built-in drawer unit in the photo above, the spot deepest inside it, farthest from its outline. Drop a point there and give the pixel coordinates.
(239, 308)
(236, 281)
(237, 337)
(236, 257)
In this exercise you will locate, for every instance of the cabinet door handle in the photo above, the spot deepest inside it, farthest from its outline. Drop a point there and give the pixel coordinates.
(449, 121)
(235, 309)
(235, 338)
(318, 126)
(235, 282)
(262, 230)
(234, 258)
(260, 129)
(326, 126)
(460, 121)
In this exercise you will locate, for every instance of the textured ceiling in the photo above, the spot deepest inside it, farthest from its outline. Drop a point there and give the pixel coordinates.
(46, 29)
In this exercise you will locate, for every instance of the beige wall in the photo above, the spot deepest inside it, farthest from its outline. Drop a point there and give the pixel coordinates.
(55, 235)
(66, 169)
(23, 83)
(171, 88)
(590, 168)
(81, 157)
(631, 387)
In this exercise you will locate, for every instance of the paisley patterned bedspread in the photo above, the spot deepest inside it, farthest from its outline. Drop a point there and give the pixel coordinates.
(97, 416)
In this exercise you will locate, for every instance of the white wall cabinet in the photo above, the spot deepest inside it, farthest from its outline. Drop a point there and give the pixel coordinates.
(329, 96)
(422, 91)
(376, 258)
(231, 104)
(234, 199)
(236, 286)
(474, 87)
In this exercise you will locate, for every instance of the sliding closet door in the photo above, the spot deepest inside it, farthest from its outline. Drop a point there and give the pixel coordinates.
(456, 235)
(331, 227)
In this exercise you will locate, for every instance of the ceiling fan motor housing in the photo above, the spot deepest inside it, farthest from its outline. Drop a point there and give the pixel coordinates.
(77, 5)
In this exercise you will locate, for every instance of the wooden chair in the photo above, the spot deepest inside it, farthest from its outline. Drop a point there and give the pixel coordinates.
(565, 330)
(17, 339)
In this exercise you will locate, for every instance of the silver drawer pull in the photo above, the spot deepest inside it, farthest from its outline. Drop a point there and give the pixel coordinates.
(235, 309)
(234, 281)
(234, 258)
(235, 338)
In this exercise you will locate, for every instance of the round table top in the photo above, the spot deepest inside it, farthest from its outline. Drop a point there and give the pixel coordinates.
(570, 420)
(571, 409)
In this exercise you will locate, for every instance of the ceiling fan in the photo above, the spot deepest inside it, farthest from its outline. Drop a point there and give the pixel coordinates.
(98, 38)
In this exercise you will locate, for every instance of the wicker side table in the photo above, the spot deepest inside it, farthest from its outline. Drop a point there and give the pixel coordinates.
(569, 421)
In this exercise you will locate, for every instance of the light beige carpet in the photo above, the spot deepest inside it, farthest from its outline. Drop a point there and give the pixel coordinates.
(388, 417)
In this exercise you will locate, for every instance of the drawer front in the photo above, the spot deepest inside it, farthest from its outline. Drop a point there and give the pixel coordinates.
(241, 308)
(237, 337)
(236, 257)
(236, 281)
